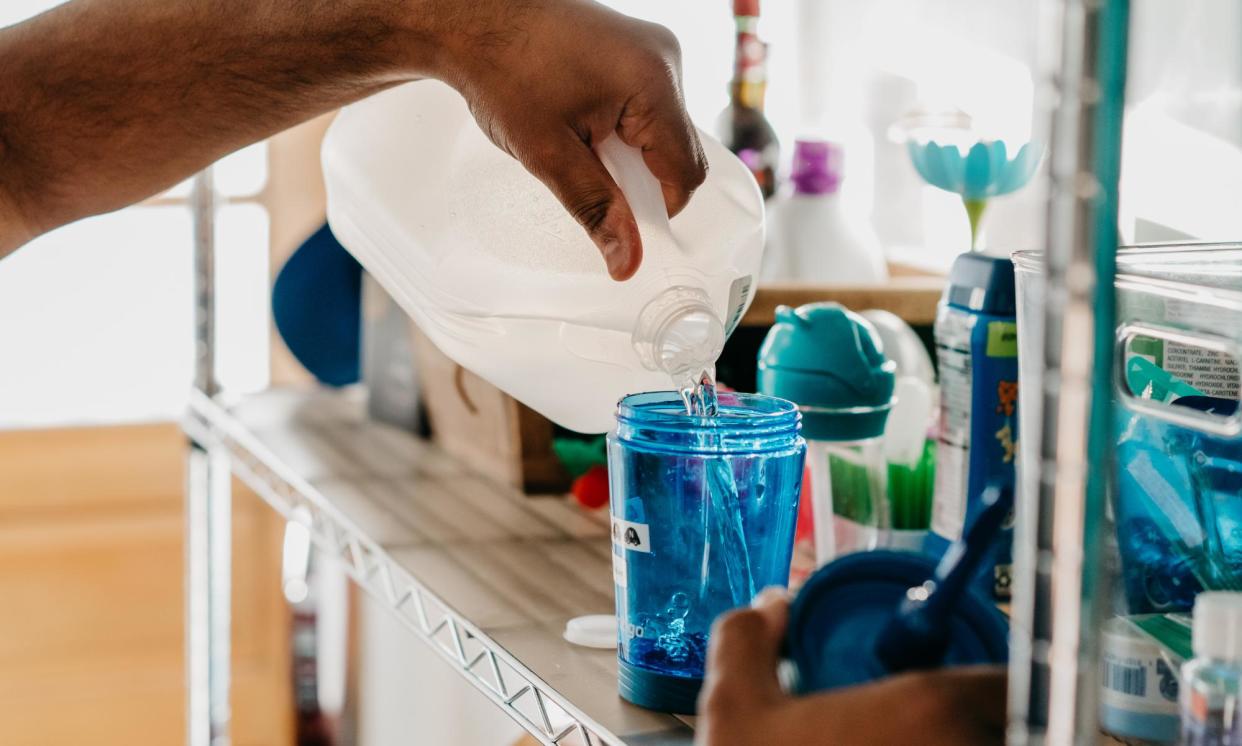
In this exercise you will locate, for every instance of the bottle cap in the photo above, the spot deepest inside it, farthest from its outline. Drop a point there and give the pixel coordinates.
(1218, 625)
(818, 167)
(826, 360)
(748, 8)
(982, 283)
(592, 631)
(678, 332)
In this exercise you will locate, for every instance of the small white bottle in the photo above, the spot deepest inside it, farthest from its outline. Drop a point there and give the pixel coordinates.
(812, 238)
(1209, 688)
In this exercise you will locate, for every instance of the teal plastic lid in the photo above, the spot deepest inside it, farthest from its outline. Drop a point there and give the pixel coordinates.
(827, 360)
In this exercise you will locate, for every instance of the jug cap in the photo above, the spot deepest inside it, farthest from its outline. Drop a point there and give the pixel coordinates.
(828, 361)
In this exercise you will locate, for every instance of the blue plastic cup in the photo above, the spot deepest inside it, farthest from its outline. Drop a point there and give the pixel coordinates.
(703, 514)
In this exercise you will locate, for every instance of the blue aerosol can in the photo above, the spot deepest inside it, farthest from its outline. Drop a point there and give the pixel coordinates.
(976, 338)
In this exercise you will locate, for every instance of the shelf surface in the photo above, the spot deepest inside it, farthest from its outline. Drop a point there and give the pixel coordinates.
(485, 575)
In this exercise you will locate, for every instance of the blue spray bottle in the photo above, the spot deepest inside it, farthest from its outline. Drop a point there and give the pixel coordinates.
(977, 349)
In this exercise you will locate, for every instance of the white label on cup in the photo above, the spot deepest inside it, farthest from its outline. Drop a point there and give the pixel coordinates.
(620, 575)
(633, 537)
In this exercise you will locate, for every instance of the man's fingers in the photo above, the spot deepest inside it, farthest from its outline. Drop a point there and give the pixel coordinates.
(576, 177)
(984, 692)
(670, 145)
(743, 656)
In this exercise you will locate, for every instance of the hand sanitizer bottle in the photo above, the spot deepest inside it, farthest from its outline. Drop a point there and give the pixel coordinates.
(1210, 681)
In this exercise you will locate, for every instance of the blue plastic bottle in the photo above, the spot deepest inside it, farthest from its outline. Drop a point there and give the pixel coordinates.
(703, 514)
(977, 348)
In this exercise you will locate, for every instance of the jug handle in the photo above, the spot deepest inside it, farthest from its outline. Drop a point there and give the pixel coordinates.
(641, 189)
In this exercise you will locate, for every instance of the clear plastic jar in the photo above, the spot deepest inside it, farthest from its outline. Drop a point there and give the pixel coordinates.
(848, 488)
(703, 514)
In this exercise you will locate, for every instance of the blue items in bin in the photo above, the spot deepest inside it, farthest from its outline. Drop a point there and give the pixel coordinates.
(703, 513)
(1149, 381)
(868, 615)
(1209, 404)
(1179, 520)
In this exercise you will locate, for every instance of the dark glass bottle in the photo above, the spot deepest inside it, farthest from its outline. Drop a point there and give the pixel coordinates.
(742, 127)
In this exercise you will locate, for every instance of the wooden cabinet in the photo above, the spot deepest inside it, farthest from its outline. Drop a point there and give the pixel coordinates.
(91, 601)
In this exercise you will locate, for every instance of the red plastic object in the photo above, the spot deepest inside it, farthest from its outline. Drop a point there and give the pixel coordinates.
(591, 489)
(805, 527)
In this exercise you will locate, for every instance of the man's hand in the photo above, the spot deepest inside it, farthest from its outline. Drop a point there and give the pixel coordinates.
(546, 80)
(742, 703)
(106, 102)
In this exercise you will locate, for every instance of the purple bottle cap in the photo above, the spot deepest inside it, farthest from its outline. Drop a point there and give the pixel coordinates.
(818, 167)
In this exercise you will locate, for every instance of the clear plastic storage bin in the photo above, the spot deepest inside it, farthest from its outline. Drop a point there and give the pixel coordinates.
(1175, 511)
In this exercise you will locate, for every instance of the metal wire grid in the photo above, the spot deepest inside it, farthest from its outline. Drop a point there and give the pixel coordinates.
(490, 668)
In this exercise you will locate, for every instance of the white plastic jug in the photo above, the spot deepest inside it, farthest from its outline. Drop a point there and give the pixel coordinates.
(506, 283)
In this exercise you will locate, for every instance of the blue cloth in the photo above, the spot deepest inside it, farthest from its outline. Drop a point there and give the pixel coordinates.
(317, 307)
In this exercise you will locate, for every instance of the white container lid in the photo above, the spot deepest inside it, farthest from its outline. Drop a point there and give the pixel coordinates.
(592, 631)
(1218, 625)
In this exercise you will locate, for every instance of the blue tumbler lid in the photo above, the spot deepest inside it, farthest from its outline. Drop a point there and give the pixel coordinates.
(826, 359)
(870, 614)
(837, 619)
(982, 283)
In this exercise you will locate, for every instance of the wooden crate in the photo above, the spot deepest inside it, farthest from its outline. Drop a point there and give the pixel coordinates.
(491, 432)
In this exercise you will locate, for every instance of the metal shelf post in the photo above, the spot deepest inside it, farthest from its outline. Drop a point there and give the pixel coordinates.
(1052, 687)
(208, 513)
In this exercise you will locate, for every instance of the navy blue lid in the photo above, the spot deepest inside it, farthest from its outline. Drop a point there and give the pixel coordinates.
(870, 614)
(837, 620)
(982, 283)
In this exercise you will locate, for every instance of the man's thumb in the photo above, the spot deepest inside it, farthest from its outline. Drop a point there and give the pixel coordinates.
(579, 180)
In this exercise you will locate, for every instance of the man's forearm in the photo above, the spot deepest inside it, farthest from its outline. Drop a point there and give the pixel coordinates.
(105, 102)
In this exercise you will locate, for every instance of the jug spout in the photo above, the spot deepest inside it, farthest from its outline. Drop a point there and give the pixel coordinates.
(679, 333)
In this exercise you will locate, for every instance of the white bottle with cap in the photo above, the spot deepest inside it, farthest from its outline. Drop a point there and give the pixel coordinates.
(1210, 681)
(814, 238)
(499, 276)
